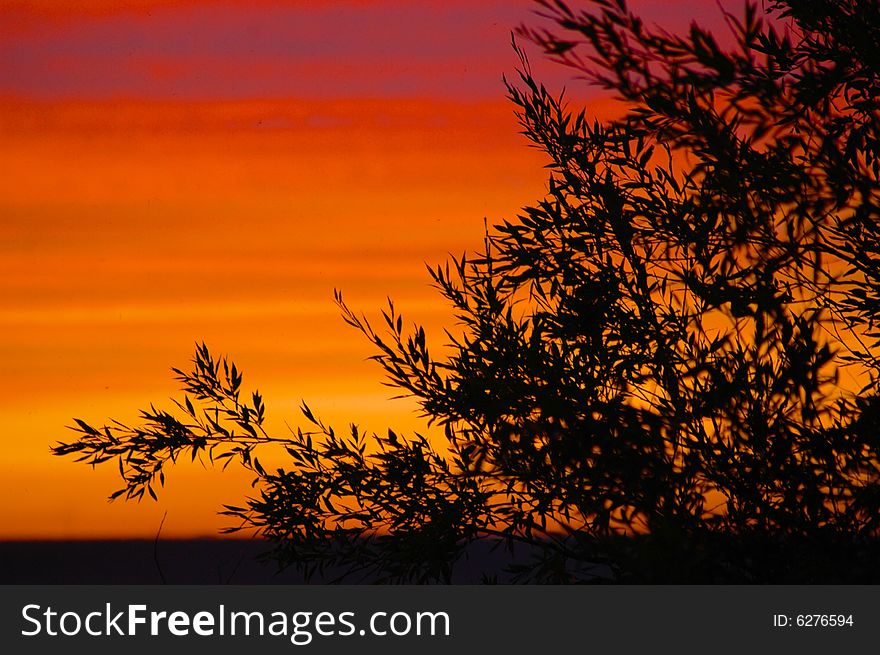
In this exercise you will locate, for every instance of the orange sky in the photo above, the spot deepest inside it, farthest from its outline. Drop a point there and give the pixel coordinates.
(158, 192)
(133, 229)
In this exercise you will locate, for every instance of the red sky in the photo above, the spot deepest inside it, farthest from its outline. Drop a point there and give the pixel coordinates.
(186, 171)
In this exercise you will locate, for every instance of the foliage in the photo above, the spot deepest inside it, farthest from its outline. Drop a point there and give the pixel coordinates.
(666, 369)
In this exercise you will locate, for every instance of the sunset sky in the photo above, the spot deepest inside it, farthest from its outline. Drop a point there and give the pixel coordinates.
(211, 170)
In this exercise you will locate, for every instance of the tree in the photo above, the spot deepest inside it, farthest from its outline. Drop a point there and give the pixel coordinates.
(666, 369)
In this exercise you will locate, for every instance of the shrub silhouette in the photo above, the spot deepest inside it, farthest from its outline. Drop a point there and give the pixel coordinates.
(664, 370)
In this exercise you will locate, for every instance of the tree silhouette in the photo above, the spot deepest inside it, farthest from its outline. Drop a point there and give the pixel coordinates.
(666, 369)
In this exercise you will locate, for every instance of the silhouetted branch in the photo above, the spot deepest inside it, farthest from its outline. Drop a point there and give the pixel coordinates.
(643, 377)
